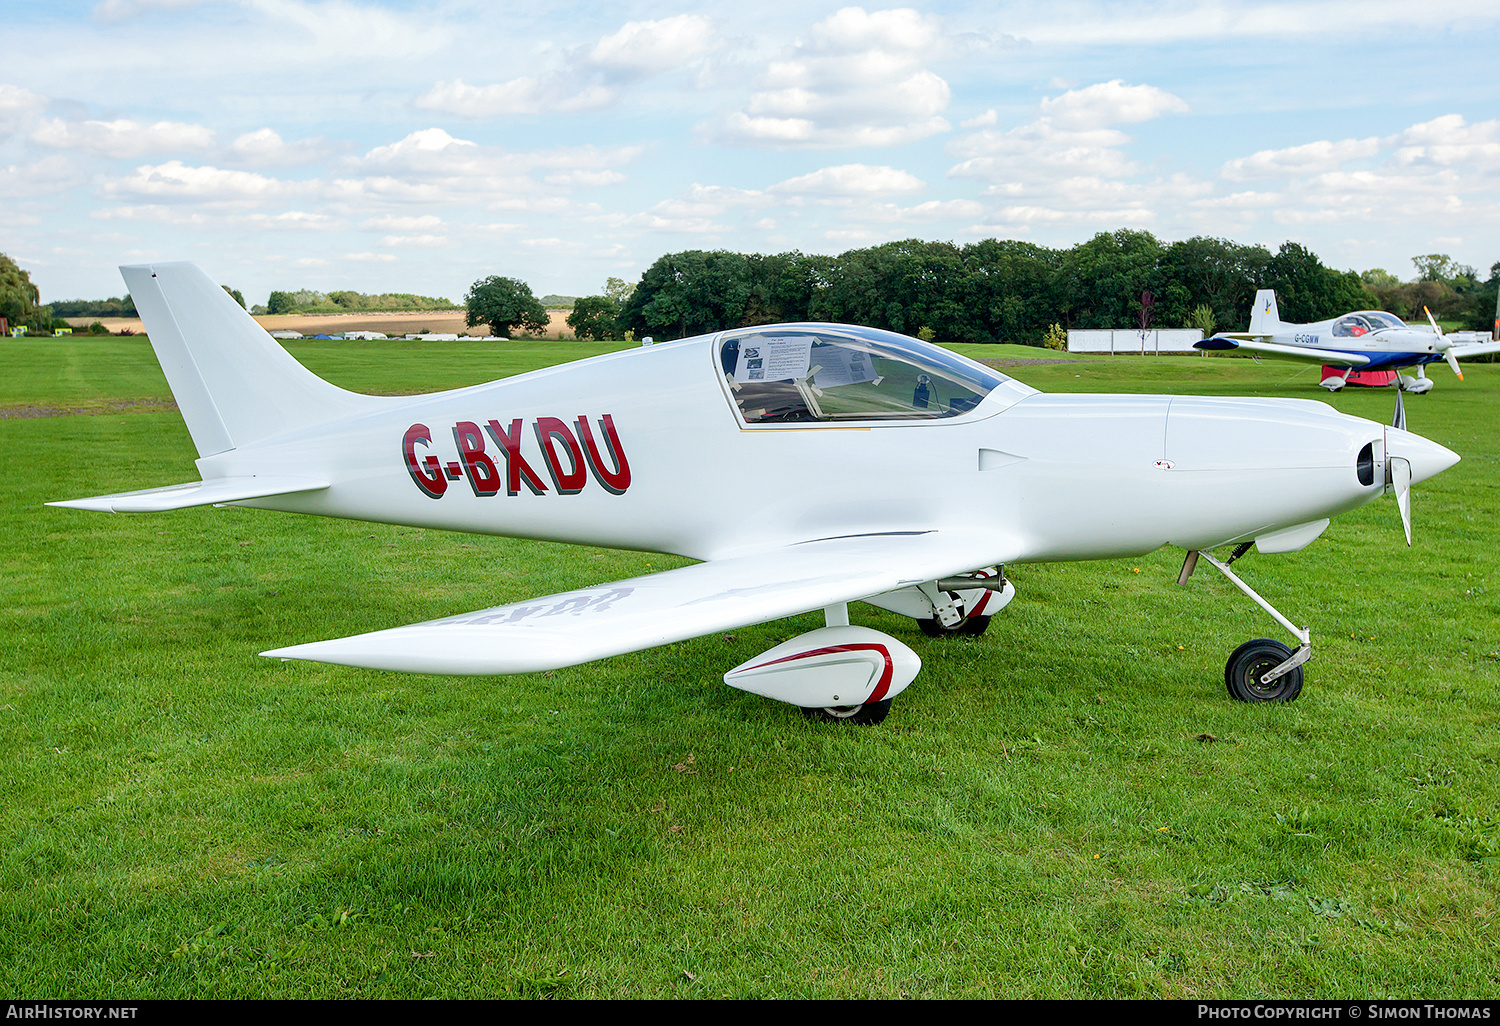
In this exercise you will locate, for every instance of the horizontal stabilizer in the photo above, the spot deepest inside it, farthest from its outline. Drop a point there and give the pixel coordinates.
(1332, 357)
(627, 616)
(194, 493)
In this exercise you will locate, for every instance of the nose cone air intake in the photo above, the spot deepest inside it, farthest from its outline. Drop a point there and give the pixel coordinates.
(1426, 457)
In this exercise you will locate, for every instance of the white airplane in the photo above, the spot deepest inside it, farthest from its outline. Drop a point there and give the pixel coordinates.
(1366, 340)
(806, 465)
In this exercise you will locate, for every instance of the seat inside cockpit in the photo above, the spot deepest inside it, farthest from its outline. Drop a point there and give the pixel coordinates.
(806, 373)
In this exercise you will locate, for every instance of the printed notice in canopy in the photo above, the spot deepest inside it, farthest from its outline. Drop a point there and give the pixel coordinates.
(773, 358)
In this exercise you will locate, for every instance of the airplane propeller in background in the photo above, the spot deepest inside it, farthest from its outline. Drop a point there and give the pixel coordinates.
(1443, 344)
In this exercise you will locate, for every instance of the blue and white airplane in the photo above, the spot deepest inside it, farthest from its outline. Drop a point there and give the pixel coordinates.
(1366, 340)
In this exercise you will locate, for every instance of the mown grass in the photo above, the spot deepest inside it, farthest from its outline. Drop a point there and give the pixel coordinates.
(1069, 806)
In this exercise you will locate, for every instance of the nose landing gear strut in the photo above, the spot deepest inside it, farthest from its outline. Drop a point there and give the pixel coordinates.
(1263, 670)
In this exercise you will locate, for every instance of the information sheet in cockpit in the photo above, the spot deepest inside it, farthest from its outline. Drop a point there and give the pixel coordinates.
(840, 366)
(773, 358)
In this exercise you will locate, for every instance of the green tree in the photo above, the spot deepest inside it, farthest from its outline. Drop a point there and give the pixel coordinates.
(1010, 291)
(1434, 267)
(1307, 291)
(503, 304)
(280, 303)
(618, 289)
(235, 295)
(595, 317)
(784, 287)
(900, 286)
(18, 296)
(1103, 279)
(690, 293)
(1217, 272)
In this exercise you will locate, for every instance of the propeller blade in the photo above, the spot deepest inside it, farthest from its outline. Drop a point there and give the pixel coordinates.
(1433, 321)
(1453, 362)
(1399, 420)
(1399, 471)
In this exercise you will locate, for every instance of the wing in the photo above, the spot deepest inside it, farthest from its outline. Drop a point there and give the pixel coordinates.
(194, 493)
(626, 616)
(1255, 344)
(1464, 350)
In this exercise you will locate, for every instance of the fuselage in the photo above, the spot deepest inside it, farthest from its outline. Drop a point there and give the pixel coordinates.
(1382, 338)
(647, 449)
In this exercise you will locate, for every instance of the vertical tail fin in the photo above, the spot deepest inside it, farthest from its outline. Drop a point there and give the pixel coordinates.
(1264, 317)
(232, 381)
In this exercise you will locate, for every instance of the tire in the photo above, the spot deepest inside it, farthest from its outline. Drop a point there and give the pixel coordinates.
(1243, 671)
(866, 715)
(933, 627)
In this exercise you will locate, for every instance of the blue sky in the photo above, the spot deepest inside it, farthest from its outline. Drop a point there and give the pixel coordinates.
(288, 144)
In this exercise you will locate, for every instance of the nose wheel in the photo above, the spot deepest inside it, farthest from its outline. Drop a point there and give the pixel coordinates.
(1262, 670)
(1252, 661)
(866, 715)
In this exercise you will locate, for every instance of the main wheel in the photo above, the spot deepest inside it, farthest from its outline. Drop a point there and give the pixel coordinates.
(866, 715)
(1252, 659)
(933, 627)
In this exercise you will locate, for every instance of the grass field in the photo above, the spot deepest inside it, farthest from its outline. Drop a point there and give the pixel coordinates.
(1069, 806)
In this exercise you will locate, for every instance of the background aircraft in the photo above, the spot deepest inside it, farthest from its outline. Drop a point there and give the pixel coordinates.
(1366, 340)
(806, 465)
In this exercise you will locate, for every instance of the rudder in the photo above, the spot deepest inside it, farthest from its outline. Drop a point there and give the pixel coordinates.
(1264, 317)
(232, 381)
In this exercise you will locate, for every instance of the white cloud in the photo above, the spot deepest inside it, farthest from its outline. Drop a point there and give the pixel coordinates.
(1068, 137)
(175, 181)
(646, 47)
(1038, 149)
(49, 175)
(1438, 172)
(850, 180)
(587, 178)
(591, 79)
(432, 168)
(860, 81)
(552, 95)
(117, 10)
(403, 223)
(1309, 158)
(852, 28)
(418, 241)
(123, 138)
(18, 105)
(371, 258)
(1166, 22)
(923, 213)
(1110, 103)
(291, 220)
(988, 118)
(264, 147)
(1449, 140)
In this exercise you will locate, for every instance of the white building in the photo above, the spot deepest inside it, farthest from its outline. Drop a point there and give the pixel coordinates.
(1133, 340)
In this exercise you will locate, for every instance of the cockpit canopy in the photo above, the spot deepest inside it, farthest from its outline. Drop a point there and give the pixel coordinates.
(812, 372)
(1363, 322)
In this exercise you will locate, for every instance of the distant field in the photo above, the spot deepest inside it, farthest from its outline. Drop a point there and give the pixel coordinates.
(1069, 806)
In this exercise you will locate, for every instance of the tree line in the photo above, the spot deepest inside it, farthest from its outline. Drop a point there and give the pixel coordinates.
(1011, 291)
(310, 301)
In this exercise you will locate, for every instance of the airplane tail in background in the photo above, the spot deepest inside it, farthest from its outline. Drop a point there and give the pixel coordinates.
(232, 381)
(1264, 317)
